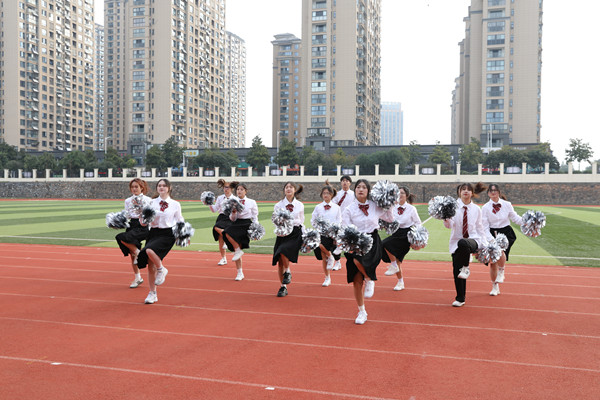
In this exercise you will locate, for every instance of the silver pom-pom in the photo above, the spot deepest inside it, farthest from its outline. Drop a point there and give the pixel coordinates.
(417, 237)
(389, 227)
(232, 203)
(442, 207)
(137, 204)
(333, 230)
(311, 239)
(533, 222)
(351, 240)
(284, 224)
(489, 253)
(322, 226)
(148, 215)
(385, 193)
(183, 231)
(502, 241)
(256, 231)
(117, 220)
(207, 198)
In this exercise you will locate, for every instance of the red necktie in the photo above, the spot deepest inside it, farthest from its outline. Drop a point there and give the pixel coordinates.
(327, 206)
(342, 199)
(364, 208)
(465, 224)
(496, 207)
(243, 201)
(290, 207)
(163, 205)
(400, 210)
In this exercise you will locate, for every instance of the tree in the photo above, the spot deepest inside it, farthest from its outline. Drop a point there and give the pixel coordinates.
(578, 151)
(258, 155)
(155, 158)
(74, 161)
(287, 154)
(507, 155)
(387, 161)
(41, 163)
(172, 153)
(440, 155)
(412, 153)
(541, 154)
(211, 158)
(470, 155)
(7, 153)
(311, 159)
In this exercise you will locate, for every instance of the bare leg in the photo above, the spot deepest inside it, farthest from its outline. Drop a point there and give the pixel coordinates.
(233, 242)
(399, 274)
(152, 266)
(494, 271)
(282, 266)
(362, 270)
(133, 251)
(358, 290)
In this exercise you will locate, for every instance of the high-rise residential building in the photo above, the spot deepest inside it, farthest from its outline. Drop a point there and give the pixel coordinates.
(391, 124)
(47, 74)
(164, 73)
(287, 80)
(99, 89)
(341, 72)
(498, 93)
(235, 91)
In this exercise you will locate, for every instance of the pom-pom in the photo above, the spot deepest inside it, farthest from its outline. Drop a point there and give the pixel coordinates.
(283, 221)
(442, 207)
(322, 226)
(256, 231)
(389, 227)
(232, 203)
(351, 240)
(117, 220)
(137, 204)
(533, 222)
(207, 198)
(311, 239)
(385, 193)
(490, 253)
(502, 241)
(417, 237)
(148, 215)
(183, 231)
(333, 230)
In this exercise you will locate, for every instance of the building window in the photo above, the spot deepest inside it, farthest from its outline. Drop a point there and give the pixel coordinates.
(319, 15)
(494, 78)
(319, 39)
(495, 39)
(318, 86)
(497, 26)
(494, 104)
(319, 51)
(496, 13)
(139, 11)
(318, 110)
(494, 91)
(494, 117)
(497, 65)
(495, 53)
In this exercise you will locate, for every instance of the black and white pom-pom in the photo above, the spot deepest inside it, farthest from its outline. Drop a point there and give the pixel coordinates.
(256, 231)
(351, 240)
(385, 193)
(533, 222)
(490, 253)
(417, 237)
(117, 220)
(389, 227)
(183, 231)
(207, 198)
(148, 215)
(311, 239)
(322, 226)
(282, 219)
(333, 230)
(442, 207)
(232, 203)
(502, 241)
(137, 204)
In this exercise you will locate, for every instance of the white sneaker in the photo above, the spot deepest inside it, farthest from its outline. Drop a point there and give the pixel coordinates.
(464, 273)
(337, 251)
(223, 261)
(240, 275)
(337, 266)
(495, 290)
(399, 286)
(361, 318)
(161, 274)
(236, 255)
(327, 281)
(392, 270)
(152, 298)
(500, 277)
(457, 303)
(330, 262)
(136, 282)
(369, 289)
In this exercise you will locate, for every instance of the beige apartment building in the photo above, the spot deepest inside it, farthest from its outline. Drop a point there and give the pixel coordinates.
(99, 89)
(47, 74)
(497, 98)
(235, 91)
(164, 73)
(341, 86)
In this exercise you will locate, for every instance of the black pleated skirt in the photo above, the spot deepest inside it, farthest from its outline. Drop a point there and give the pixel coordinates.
(288, 245)
(161, 241)
(134, 235)
(238, 230)
(510, 235)
(397, 244)
(370, 260)
(222, 222)
(329, 244)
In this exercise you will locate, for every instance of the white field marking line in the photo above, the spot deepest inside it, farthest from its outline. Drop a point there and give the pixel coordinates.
(212, 309)
(195, 378)
(309, 345)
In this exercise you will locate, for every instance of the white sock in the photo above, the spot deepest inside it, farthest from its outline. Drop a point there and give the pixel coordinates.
(288, 270)
(401, 280)
(362, 308)
(395, 264)
(138, 276)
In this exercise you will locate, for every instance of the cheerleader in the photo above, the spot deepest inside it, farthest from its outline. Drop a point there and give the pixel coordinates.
(286, 248)
(497, 214)
(160, 239)
(331, 212)
(236, 235)
(365, 215)
(397, 246)
(223, 220)
(343, 198)
(466, 237)
(130, 240)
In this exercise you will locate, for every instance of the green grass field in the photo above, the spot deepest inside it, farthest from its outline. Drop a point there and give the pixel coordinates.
(571, 235)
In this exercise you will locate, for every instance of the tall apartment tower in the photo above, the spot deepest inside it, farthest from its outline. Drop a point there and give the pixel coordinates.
(391, 124)
(47, 74)
(498, 93)
(341, 71)
(286, 88)
(164, 73)
(235, 95)
(99, 92)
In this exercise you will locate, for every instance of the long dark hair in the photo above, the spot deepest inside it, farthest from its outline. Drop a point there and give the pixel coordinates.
(232, 185)
(298, 189)
(478, 188)
(168, 183)
(142, 183)
(367, 184)
(409, 196)
(494, 186)
(329, 188)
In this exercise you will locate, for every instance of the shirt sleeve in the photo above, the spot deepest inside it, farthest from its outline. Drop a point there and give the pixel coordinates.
(486, 223)
(514, 217)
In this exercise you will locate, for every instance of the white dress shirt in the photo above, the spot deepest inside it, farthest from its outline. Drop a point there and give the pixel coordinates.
(408, 218)
(250, 211)
(169, 216)
(475, 225)
(297, 214)
(366, 223)
(334, 214)
(350, 197)
(218, 206)
(134, 211)
(501, 218)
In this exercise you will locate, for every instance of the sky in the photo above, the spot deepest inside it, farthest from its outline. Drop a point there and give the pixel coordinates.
(420, 60)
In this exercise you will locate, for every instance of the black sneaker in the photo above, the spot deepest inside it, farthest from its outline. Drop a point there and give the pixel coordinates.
(282, 292)
(287, 278)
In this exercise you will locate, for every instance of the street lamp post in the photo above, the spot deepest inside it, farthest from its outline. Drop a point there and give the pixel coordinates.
(489, 137)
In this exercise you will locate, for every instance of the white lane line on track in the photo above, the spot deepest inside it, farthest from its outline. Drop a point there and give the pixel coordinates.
(312, 345)
(194, 378)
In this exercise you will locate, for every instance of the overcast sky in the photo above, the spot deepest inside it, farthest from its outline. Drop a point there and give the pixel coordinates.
(420, 61)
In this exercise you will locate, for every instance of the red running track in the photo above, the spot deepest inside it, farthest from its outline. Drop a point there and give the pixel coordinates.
(72, 329)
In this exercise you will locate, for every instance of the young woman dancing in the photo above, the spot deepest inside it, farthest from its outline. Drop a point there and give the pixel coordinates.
(497, 214)
(466, 238)
(397, 246)
(223, 220)
(343, 198)
(160, 239)
(286, 248)
(130, 241)
(236, 235)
